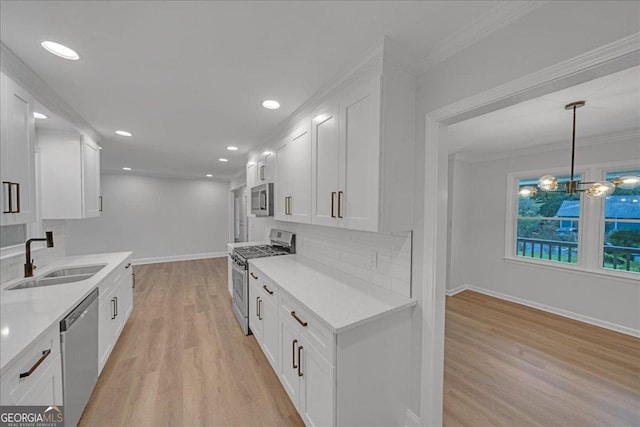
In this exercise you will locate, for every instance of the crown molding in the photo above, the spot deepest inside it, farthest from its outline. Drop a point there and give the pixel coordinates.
(618, 55)
(499, 16)
(19, 72)
(564, 145)
(373, 57)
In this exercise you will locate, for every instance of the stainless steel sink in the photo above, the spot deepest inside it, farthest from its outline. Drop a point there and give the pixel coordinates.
(74, 271)
(44, 281)
(60, 277)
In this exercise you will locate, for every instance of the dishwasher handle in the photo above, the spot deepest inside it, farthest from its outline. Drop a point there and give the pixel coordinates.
(78, 312)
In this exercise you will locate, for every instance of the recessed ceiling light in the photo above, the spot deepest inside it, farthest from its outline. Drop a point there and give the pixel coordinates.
(99, 147)
(232, 148)
(39, 115)
(223, 160)
(124, 133)
(209, 175)
(126, 169)
(60, 50)
(270, 104)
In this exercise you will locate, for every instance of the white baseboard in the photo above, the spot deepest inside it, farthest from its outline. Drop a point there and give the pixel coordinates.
(452, 292)
(174, 258)
(560, 312)
(412, 419)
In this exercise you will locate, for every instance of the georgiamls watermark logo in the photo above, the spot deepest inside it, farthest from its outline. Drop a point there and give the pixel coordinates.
(31, 416)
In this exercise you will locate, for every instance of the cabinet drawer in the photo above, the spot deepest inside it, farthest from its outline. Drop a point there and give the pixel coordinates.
(37, 358)
(314, 332)
(268, 289)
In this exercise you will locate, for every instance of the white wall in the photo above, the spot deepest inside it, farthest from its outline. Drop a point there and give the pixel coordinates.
(157, 218)
(477, 257)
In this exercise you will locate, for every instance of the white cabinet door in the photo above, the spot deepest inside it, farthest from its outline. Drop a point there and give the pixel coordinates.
(91, 178)
(317, 388)
(360, 110)
(251, 174)
(47, 389)
(325, 167)
(255, 323)
(300, 164)
(124, 303)
(282, 184)
(17, 149)
(106, 317)
(69, 175)
(288, 372)
(264, 168)
(270, 346)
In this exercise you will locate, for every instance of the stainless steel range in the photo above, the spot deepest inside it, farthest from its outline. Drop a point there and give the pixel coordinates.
(282, 243)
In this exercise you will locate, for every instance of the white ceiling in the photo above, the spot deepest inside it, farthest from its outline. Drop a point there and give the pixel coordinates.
(612, 106)
(188, 78)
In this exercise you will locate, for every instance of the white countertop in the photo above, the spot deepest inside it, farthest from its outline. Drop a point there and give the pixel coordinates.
(25, 314)
(342, 303)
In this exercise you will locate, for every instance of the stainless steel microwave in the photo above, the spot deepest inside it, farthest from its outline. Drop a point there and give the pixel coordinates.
(262, 200)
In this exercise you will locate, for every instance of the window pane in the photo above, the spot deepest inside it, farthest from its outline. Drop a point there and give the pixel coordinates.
(548, 224)
(622, 227)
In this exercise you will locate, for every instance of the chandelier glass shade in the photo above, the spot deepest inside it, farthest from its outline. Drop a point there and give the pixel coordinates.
(596, 189)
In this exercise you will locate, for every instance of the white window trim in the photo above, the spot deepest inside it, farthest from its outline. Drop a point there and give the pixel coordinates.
(591, 230)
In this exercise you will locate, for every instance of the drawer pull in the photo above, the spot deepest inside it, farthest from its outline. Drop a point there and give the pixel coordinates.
(254, 276)
(269, 291)
(38, 363)
(302, 322)
(127, 266)
(300, 361)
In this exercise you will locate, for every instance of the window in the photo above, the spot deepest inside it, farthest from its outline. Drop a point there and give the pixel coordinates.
(621, 249)
(547, 225)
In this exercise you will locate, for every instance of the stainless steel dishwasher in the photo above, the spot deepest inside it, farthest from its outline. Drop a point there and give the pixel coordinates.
(79, 339)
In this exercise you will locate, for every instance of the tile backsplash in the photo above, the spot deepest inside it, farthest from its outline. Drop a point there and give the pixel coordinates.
(12, 267)
(381, 259)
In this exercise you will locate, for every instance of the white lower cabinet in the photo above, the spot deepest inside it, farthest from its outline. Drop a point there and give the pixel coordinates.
(307, 377)
(35, 378)
(358, 377)
(263, 316)
(116, 304)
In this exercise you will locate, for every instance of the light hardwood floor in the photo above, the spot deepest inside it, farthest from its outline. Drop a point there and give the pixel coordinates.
(182, 359)
(510, 365)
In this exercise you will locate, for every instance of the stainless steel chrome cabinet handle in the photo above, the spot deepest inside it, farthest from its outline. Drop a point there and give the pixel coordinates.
(293, 353)
(260, 308)
(100, 199)
(113, 308)
(300, 361)
(269, 291)
(257, 307)
(45, 353)
(254, 276)
(340, 194)
(302, 322)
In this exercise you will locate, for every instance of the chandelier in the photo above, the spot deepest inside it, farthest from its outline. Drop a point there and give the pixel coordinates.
(549, 183)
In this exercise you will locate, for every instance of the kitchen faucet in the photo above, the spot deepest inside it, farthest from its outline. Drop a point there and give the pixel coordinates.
(29, 267)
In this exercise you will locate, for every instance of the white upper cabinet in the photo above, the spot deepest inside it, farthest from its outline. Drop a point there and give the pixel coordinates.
(252, 176)
(70, 175)
(293, 177)
(363, 154)
(265, 167)
(325, 166)
(17, 149)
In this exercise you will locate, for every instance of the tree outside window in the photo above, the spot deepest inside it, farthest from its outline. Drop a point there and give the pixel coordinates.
(547, 225)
